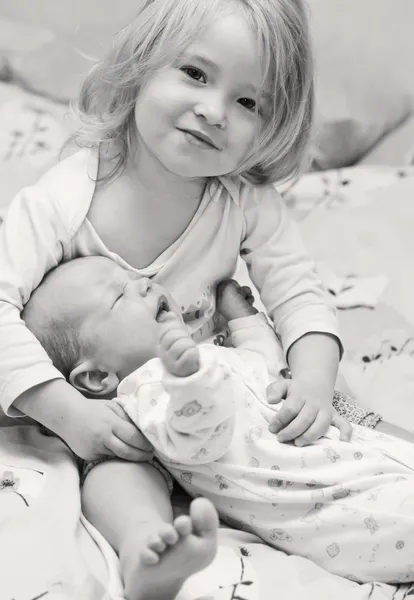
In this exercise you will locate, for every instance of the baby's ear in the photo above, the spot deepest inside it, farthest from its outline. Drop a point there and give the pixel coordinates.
(87, 379)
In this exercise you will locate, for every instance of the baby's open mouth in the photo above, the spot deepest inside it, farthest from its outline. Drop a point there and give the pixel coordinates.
(162, 309)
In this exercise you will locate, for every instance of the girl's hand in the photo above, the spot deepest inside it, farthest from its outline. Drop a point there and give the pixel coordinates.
(102, 428)
(306, 413)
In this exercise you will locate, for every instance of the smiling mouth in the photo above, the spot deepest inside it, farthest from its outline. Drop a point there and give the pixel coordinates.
(204, 140)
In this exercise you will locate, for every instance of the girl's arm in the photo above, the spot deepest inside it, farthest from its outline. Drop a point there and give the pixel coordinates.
(32, 242)
(303, 316)
(282, 270)
(91, 428)
(34, 238)
(314, 359)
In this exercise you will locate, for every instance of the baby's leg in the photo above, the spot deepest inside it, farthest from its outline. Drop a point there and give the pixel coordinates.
(129, 504)
(174, 552)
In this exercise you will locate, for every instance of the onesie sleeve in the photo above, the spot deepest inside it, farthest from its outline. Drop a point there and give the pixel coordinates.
(32, 239)
(281, 268)
(255, 335)
(188, 420)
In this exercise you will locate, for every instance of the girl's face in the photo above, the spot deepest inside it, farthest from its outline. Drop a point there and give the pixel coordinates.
(198, 118)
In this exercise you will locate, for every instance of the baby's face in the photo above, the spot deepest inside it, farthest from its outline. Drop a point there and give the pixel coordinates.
(118, 313)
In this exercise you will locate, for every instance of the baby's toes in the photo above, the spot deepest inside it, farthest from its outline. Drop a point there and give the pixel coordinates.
(156, 543)
(149, 557)
(169, 535)
(183, 525)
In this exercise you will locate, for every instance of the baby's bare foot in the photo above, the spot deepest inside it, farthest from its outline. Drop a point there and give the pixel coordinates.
(173, 553)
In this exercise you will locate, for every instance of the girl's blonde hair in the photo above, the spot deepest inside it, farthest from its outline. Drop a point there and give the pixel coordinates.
(161, 31)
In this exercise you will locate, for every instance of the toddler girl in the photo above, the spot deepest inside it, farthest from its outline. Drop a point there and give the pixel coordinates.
(187, 123)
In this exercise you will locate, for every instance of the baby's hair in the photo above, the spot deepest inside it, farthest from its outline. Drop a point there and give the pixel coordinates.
(57, 333)
(160, 33)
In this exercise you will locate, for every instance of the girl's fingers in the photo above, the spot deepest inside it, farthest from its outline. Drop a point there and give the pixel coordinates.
(278, 390)
(293, 422)
(344, 426)
(286, 415)
(315, 430)
(116, 447)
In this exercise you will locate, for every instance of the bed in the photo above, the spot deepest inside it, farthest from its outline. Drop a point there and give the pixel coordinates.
(355, 210)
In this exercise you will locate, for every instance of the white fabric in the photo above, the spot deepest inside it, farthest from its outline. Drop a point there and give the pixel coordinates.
(349, 507)
(352, 291)
(47, 224)
(45, 550)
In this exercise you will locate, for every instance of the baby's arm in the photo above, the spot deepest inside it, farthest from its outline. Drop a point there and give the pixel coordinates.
(34, 238)
(249, 329)
(188, 416)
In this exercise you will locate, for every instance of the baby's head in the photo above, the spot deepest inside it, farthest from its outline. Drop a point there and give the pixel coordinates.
(268, 84)
(97, 321)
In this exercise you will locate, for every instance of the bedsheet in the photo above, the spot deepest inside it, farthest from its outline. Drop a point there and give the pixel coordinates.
(40, 529)
(364, 228)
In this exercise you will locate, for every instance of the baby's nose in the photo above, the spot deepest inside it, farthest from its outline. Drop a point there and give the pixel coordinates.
(144, 285)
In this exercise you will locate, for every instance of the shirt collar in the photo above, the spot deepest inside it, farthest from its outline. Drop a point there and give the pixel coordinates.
(231, 184)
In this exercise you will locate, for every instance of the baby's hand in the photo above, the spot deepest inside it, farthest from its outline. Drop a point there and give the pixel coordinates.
(102, 428)
(306, 413)
(178, 353)
(234, 301)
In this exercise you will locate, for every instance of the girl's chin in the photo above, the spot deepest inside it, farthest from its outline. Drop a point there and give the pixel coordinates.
(193, 165)
(192, 170)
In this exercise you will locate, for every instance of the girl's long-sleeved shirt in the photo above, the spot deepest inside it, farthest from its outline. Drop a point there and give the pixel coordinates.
(48, 223)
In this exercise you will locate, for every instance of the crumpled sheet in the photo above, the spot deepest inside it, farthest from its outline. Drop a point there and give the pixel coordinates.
(47, 551)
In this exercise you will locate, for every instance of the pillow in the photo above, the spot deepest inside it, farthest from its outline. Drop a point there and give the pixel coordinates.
(364, 54)
(51, 44)
(32, 131)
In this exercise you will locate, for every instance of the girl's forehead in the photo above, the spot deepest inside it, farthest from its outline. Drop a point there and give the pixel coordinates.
(228, 44)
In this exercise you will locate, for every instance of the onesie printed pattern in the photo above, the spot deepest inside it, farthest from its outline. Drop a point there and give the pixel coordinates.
(349, 507)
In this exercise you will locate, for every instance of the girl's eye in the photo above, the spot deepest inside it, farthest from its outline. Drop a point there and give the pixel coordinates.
(194, 73)
(248, 103)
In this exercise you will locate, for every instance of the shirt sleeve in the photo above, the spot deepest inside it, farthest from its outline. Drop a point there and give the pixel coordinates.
(188, 420)
(282, 270)
(255, 335)
(31, 243)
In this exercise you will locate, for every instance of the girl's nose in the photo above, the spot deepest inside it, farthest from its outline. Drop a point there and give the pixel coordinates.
(213, 112)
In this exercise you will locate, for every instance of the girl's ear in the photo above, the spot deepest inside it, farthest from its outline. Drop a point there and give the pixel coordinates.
(87, 379)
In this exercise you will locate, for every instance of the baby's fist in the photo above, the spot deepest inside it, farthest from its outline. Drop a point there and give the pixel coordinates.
(234, 301)
(178, 352)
